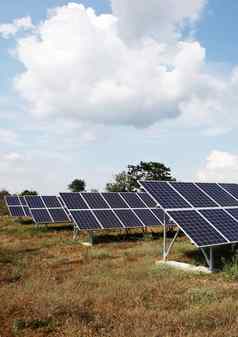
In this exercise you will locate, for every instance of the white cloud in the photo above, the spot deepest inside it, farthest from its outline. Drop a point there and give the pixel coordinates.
(78, 67)
(9, 29)
(158, 19)
(219, 166)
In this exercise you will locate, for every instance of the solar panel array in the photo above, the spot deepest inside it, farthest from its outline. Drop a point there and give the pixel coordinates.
(95, 211)
(206, 212)
(17, 206)
(46, 209)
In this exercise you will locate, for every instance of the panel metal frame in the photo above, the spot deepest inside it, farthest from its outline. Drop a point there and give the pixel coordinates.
(20, 206)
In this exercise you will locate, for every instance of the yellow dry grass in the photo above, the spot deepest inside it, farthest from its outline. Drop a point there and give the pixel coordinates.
(52, 286)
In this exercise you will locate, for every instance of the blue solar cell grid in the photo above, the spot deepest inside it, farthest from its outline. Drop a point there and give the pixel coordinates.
(233, 212)
(147, 217)
(22, 200)
(58, 214)
(194, 195)
(164, 194)
(108, 219)
(51, 201)
(218, 194)
(17, 211)
(128, 218)
(95, 200)
(147, 200)
(34, 201)
(231, 188)
(13, 201)
(114, 200)
(73, 201)
(197, 228)
(41, 216)
(85, 220)
(133, 200)
(223, 222)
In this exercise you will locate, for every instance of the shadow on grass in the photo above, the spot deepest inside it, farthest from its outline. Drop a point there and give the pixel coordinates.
(222, 256)
(128, 236)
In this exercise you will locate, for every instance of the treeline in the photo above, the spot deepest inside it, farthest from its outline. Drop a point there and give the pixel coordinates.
(125, 181)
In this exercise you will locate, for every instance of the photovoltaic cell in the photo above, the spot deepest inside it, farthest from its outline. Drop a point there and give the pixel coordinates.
(13, 201)
(147, 200)
(197, 228)
(34, 201)
(194, 195)
(223, 222)
(114, 200)
(95, 200)
(233, 212)
(73, 201)
(16, 211)
(51, 201)
(128, 218)
(231, 188)
(41, 216)
(22, 200)
(164, 194)
(161, 215)
(132, 200)
(147, 217)
(85, 220)
(58, 215)
(108, 219)
(218, 194)
(27, 211)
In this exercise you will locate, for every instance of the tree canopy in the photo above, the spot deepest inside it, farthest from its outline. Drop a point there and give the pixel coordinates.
(77, 185)
(28, 192)
(127, 181)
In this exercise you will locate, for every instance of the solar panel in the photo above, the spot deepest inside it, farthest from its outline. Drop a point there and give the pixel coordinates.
(13, 201)
(34, 201)
(114, 200)
(161, 215)
(108, 219)
(132, 200)
(85, 220)
(147, 199)
(233, 212)
(73, 201)
(17, 211)
(58, 215)
(231, 188)
(128, 218)
(27, 211)
(147, 217)
(164, 194)
(197, 228)
(95, 200)
(218, 194)
(51, 201)
(41, 216)
(22, 200)
(193, 195)
(223, 222)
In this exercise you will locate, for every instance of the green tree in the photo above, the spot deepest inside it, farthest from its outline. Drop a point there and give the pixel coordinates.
(3, 207)
(127, 181)
(28, 192)
(77, 185)
(122, 183)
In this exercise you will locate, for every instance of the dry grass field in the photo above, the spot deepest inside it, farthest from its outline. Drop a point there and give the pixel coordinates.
(52, 286)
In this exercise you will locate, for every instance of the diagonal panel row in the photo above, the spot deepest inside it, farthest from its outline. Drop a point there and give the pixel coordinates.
(205, 218)
(94, 211)
(46, 209)
(17, 206)
(179, 195)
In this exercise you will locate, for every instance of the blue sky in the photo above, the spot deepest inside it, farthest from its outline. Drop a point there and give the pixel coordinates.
(95, 110)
